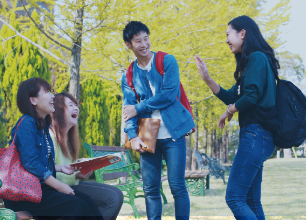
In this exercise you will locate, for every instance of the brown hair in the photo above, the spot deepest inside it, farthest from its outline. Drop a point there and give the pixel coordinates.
(69, 143)
(30, 88)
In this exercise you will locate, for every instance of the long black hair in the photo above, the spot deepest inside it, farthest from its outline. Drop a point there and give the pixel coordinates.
(253, 41)
(30, 88)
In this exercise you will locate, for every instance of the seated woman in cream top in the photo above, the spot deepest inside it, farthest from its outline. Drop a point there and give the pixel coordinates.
(64, 133)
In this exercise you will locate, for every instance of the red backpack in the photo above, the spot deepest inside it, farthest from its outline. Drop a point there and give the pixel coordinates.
(159, 62)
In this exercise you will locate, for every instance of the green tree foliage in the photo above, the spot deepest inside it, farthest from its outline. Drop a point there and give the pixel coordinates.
(19, 61)
(3, 138)
(100, 113)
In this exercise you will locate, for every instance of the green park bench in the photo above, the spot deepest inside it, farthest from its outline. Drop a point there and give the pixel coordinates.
(196, 180)
(125, 168)
(214, 165)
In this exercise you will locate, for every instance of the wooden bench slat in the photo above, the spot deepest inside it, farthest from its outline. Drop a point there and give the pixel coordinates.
(107, 148)
(196, 174)
(23, 215)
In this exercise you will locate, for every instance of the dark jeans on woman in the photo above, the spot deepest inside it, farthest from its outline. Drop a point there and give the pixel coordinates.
(174, 153)
(108, 198)
(243, 194)
(55, 205)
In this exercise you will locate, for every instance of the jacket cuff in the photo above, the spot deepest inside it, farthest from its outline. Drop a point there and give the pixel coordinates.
(221, 94)
(132, 133)
(243, 103)
(140, 107)
(46, 175)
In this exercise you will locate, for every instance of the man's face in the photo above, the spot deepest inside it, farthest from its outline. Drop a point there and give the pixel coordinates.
(140, 44)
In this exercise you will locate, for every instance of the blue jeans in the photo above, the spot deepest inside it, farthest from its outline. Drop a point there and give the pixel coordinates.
(243, 192)
(151, 165)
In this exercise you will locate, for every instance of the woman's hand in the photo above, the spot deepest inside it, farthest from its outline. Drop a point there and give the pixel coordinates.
(79, 175)
(68, 169)
(215, 88)
(225, 115)
(202, 68)
(64, 188)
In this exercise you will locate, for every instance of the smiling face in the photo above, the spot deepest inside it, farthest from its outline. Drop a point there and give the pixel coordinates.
(235, 39)
(71, 113)
(43, 103)
(140, 44)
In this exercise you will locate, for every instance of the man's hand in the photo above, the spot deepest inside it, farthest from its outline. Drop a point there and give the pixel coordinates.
(137, 145)
(129, 111)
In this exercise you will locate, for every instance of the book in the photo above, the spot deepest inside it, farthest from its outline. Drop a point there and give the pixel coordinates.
(88, 164)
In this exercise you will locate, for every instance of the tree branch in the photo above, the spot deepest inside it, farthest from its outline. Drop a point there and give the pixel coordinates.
(103, 77)
(8, 38)
(58, 43)
(35, 44)
(192, 103)
(90, 29)
(53, 21)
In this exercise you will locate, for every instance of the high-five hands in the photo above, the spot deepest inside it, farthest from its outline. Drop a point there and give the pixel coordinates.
(129, 111)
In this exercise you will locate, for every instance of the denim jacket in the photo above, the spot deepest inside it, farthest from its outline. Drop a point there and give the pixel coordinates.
(176, 117)
(32, 145)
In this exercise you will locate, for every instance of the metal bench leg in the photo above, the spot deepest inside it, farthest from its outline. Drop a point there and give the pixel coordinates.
(162, 194)
(132, 203)
(207, 181)
(223, 179)
(202, 190)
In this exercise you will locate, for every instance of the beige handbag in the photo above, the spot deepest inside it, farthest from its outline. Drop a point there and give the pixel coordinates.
(147, 131)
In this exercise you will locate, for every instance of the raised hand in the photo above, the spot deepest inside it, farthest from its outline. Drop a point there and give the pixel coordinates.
(202, 68)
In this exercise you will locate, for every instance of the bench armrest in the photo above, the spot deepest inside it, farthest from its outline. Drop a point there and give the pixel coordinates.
(129, 169)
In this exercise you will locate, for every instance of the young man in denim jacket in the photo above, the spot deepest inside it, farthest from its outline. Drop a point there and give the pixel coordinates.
(158, 99)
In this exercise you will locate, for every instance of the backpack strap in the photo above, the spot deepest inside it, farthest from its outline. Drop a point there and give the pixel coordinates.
(275, 71)
(129, 79)
(159, 62)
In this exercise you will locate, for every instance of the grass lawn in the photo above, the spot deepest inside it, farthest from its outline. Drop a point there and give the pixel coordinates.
(283, 195)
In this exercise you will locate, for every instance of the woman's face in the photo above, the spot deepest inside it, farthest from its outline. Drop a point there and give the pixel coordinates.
(71, 113)
(235, 39)
(43, 103)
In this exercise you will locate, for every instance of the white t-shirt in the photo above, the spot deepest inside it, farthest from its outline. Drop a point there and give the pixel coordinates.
(163, 132)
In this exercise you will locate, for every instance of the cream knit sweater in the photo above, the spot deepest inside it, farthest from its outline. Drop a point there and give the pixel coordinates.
(60, 159)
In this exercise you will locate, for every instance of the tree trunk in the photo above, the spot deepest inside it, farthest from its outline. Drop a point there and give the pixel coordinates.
(189, 153)
(75, 62)
(220, 147)
(205, 136)
(195, 139)
(215, 143)
(226, 147)
(211, 143)
(123, 125)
